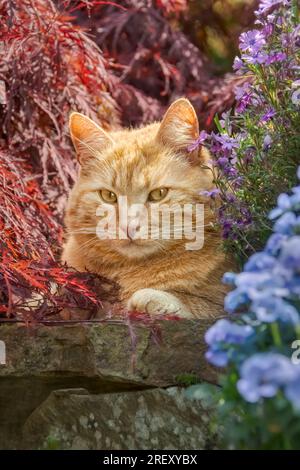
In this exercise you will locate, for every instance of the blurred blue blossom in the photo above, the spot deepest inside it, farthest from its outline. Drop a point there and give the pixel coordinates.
(263, 374)
(222, 334)
(267, 292)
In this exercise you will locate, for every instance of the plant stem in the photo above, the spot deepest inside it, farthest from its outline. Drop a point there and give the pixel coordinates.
(276, 334)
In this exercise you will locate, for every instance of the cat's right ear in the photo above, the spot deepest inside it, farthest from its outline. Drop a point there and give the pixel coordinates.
(88, 138)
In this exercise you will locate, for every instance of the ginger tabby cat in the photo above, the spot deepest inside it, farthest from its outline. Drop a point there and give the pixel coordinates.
(150, 166)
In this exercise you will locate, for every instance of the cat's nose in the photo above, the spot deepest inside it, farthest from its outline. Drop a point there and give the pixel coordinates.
(132, 231)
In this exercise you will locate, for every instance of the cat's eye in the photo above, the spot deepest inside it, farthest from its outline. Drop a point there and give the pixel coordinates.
(158, 194)
(108, 196)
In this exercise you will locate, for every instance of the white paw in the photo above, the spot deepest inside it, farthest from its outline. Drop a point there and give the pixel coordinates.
(157, 302)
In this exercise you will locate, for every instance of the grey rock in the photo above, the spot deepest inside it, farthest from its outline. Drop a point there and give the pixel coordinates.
(151, 419)
(101, 358)
(107, 352)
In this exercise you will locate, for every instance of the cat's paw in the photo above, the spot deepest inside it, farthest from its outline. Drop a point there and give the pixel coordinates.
(157, 302)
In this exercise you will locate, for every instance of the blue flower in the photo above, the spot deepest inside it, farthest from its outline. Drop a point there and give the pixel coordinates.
(228, 332)
(260, 261)
(217, 358)
(263, 374)
(236, 299)
(222, 334)
(283, 205)
(270, 309)
(250, 281)
(229, 278)
(290, 253)
(288, 224)
(274, 243)
(292, 390)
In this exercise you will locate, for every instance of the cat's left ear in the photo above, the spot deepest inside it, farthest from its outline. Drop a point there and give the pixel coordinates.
(179, 127)
(87, 137)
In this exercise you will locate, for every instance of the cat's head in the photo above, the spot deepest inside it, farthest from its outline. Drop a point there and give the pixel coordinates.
(135, 171)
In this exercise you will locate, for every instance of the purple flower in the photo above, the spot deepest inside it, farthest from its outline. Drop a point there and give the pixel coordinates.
(244, 102)
(223, 162)
(225, 121)
(237, 64)
(252, 41)
(263, 374)
(255, 59)
(267, 143)
(227, 143)
(239, 91)
(269, 114)
(296, 36)
(296, 97)
(275, 57)
(198, 142)
(266, 6)
(213, 193)
(268, 29)
(244, 97)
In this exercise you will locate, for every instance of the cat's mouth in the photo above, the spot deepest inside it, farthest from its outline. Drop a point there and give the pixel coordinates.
(135, 248)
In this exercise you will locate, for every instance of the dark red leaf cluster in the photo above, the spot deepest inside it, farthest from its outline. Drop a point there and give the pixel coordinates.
(32, 284)
(48, 67)
(155, 61)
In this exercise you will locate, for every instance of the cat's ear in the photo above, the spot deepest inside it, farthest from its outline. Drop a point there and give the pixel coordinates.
(179, 127)
(87, 137)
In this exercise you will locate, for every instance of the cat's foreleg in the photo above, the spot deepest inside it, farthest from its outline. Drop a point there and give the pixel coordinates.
(157, 302)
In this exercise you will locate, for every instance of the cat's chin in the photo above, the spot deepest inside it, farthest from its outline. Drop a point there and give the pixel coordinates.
(136, 249)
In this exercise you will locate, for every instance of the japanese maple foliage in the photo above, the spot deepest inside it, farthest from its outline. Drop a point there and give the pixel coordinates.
(48, 67)
(154, 60)
(32, 285)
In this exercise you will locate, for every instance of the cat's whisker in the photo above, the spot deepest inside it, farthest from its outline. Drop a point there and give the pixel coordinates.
(89, 244)
(80, 232)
